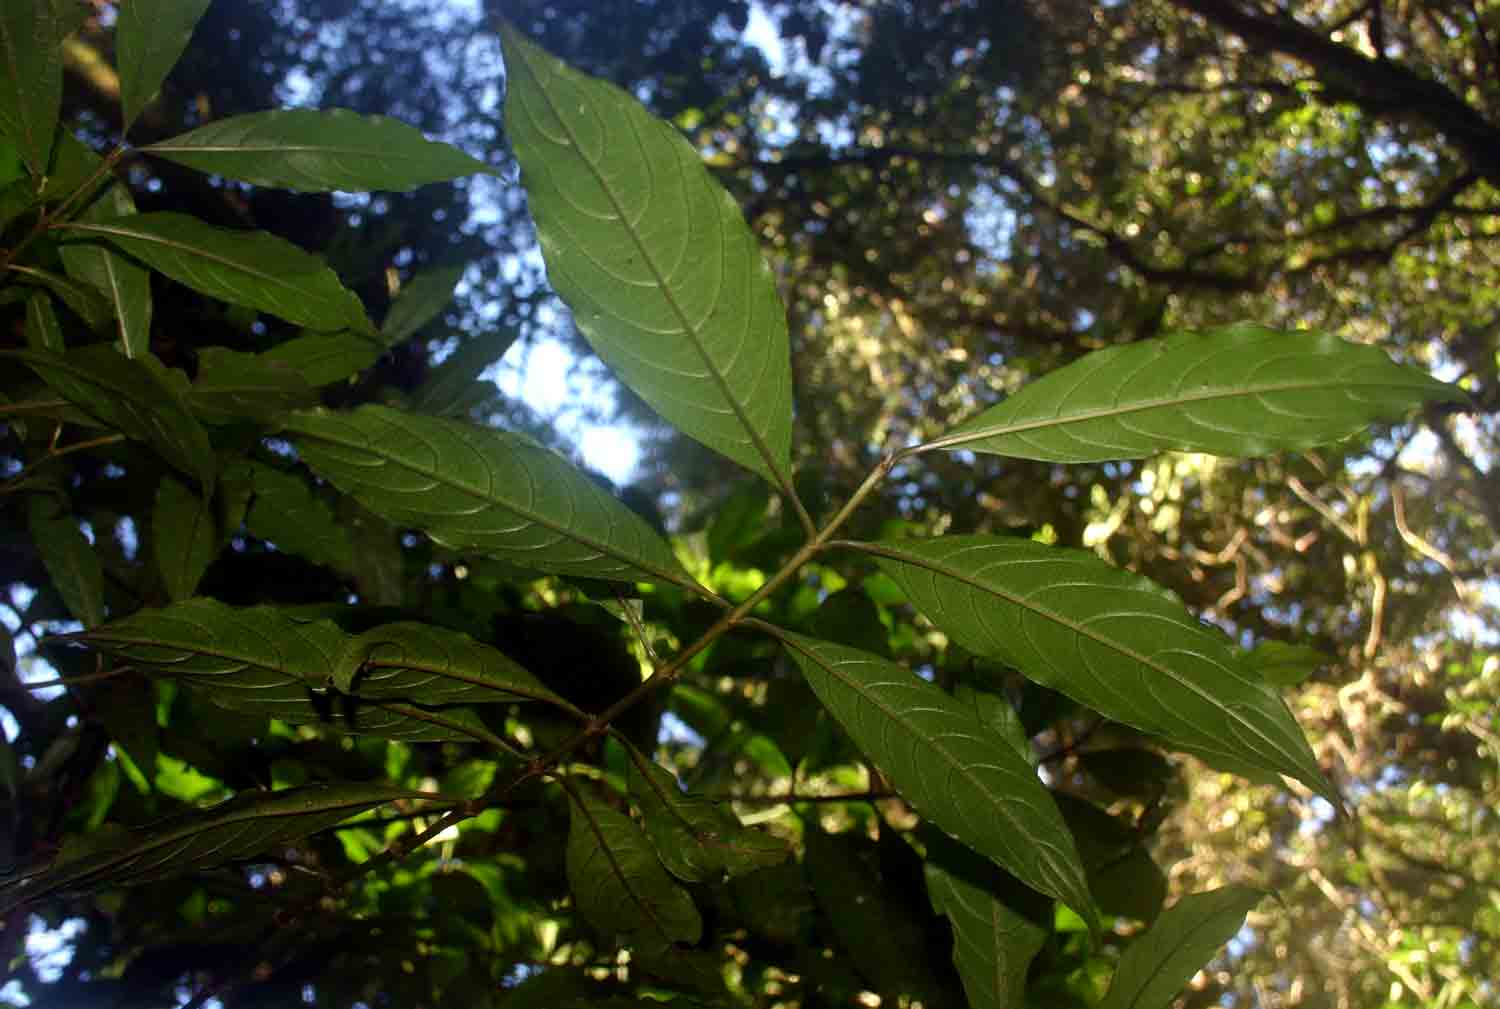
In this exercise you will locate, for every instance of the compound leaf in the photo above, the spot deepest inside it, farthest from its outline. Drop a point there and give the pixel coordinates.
(662, 274)
(1240, 390)
(1157, 964)
(471, 488)
(1107, 638)
(942, 759)
(317, 151)
(150, 37)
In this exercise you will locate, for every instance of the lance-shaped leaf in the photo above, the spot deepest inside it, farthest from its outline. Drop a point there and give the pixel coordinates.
(232, 386)
(31, 75)
(71, 561)
(451, 384)
(83, 299)
(958, 774)
(998, 925)
(136, 397)
(245, 826)
(251, 268)
(42, 331)
(619, 885)
(149, 39)
(317, 151)
(325, 358)
(697, 839)
(472, 488)
(184, 536)
(287, 512)
(1160, 961)
(420, 301)
(1240, 390)
(1107, 638)
(662, 274)
(433, 665)
(1283, 664)
(125, 284)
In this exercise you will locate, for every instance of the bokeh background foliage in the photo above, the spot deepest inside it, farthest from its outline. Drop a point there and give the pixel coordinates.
(953, 200)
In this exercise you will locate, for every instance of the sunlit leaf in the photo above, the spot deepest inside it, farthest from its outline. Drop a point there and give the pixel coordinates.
(183, 535)
(1241, 390)
(421, 300)
(959, 775)
(619, 885)
(136, 397)
(71, 561)
(247, 825)
(251, 268)
(317, 150)
(126, 285)
(1107, 638)
(1159, 962)
(325, 358)
(233, 386)
(150, 37)
(697, 839)
(31, 35)
(998, 925)
(662, 274)
(471, 488)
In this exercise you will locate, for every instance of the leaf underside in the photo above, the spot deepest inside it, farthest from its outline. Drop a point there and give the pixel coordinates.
(1159, 962)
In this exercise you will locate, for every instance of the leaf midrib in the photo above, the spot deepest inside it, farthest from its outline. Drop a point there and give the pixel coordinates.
(761, 448)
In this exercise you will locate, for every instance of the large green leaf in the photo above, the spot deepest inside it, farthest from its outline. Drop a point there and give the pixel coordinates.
(1239, 390)
(232, 386)
(319, 151)
(998, 925)
(126, 285)
(184, 536)
(31, 77)
(138, 398)
(247, 825)
(70, 559)
(83, 299)
(619, 885)
(471, 488)
(959, 774)
(1161, 960)
(149, 38)
(662, 274)
(251, 268)
(697, 839)
(1107, 638)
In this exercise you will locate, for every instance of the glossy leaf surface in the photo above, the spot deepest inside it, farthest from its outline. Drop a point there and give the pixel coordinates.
(150, 36)
(619, 885)
(472, 488)
(958, 774)
(244, 826)
(697, 839)
(125, 284)
(662, 274)
(1107, 638)
(183, 536)
(1160, 961)
(251, 268)
(1240, 390)
(318, 151)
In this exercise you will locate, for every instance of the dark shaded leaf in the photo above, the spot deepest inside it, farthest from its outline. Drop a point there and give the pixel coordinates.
(448, 388)
(42, 331)
(71, 561)
(149, 38)
(231, 386)
(325, 358)
(184, 536)
(421, 300)
(31, 35)
(1160, 961)
(697, 839)
(126, 286)
(82, 299)
(286, 511)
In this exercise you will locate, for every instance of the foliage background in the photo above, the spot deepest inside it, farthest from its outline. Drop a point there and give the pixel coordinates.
(953, 203)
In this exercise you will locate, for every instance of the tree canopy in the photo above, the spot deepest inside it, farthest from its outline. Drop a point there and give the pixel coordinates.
(1051, 536)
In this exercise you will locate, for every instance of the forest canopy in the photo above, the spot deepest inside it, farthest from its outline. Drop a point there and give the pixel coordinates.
(1064, 517)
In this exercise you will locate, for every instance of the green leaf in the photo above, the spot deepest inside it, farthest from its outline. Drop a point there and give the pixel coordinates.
(184, 537)
(1283, 664)
(300, 704)
(1240, 390)
(127, 707)
(448, 387)
(619, 886)
(420, 301)
(697, 839)
(232, 386)
(251, 268)
(126, 286)
(997, 924)
(1122, 875)
(42, 331)
(849, 617)
(84, 300)
(1159, 962)
(471, 488)
(136, 397)
(318, 151)
(150, 37)
(1107, 638)
(662, 274)
(71, 561)
(738, 521)
(324, 358)
(31, 73)
(286, 511)
(247, 825)
(432, 665)
(996, 714)
(1129, 772)
(963, 778)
